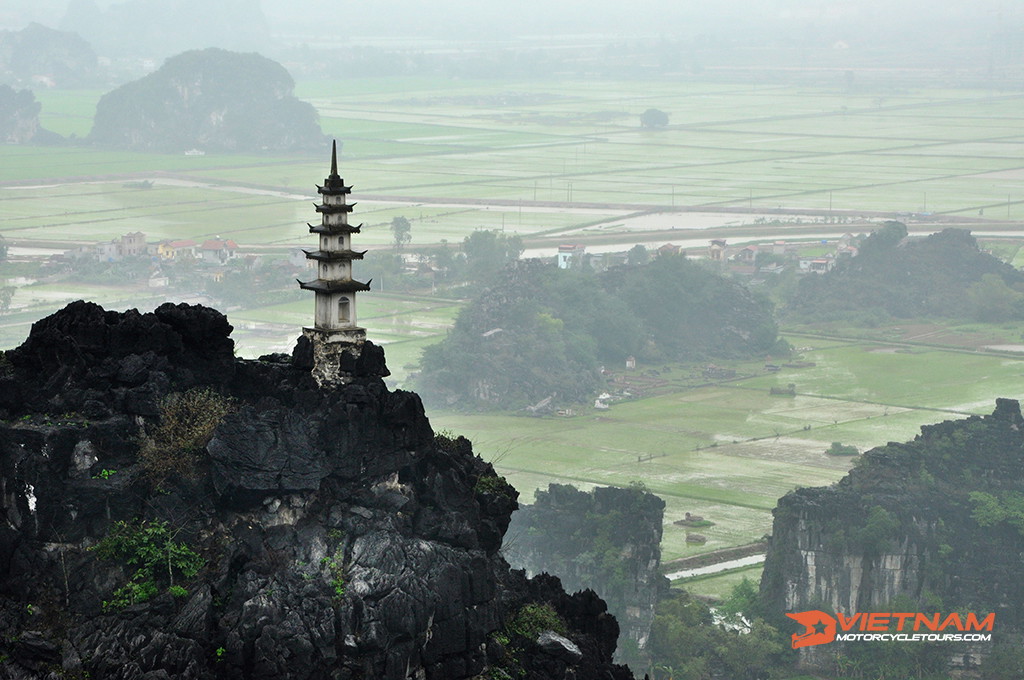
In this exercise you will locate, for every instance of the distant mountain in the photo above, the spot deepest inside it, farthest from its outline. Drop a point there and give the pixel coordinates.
(211, 100)
(41, 55)
(157, 29)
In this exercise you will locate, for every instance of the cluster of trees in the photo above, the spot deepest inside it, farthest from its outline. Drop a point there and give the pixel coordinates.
(687, 644)
(537, 331)
(653, 118)
(475, 261)
(241, 286)
(944, 274)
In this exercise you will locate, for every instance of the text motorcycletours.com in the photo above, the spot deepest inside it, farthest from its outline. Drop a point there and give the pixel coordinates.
(821, 628)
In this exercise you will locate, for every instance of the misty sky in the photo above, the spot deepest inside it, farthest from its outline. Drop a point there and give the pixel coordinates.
(851, 20)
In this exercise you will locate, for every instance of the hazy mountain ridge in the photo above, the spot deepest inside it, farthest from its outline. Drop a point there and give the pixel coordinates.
(43, 56)
(210, 100)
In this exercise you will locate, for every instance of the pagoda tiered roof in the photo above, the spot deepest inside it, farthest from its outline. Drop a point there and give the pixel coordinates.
(331, 286)
(333, 255)
(333, 228)
(332, 208)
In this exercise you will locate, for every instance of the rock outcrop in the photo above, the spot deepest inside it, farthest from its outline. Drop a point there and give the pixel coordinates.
(931, 525)
(317, 534)
(19, 116)
(608, 539)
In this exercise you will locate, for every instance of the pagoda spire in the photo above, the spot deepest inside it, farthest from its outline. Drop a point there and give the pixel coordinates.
(334, 332)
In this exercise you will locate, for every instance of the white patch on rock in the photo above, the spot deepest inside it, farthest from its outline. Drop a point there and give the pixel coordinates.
(84, 456)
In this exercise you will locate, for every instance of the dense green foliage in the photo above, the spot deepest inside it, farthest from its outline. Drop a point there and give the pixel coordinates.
(944, 274)
(484, 253)
(538, 331)
(211, 100)
(521, 629)
(685, 644)
(401, 230)
(240, 285)
(151, 556)
(607, 540)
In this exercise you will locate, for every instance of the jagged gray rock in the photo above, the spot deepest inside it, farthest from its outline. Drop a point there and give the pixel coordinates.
(559, 647)
(339, 538)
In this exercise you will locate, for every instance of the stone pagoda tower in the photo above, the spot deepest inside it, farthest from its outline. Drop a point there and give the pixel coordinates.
(334, 332)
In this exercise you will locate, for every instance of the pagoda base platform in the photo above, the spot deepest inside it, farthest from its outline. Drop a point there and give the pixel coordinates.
(334, 351)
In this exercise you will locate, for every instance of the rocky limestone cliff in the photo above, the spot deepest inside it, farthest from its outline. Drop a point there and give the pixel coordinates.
(334, 535)
(608, 539)
(930, 525)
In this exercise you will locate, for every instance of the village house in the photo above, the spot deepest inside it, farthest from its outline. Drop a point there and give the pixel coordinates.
(817, 265)
(132, 244)
(748, 254)
(716, 250)
(217, 250)
(181, 249)
(570, 256)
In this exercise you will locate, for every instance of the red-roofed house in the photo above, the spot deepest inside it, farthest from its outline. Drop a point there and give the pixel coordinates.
(218, 250)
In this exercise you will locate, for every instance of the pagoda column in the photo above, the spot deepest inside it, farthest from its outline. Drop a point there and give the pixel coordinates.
(334, 332)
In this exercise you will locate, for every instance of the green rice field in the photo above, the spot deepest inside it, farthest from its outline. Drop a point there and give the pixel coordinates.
(539, 157)
(729, 451)
(552, 161)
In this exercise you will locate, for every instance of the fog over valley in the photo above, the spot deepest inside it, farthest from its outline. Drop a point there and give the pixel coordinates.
(533, 341)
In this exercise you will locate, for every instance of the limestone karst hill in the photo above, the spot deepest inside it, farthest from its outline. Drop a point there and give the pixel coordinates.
(931, 525)
(211, 100)
(170, 511)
